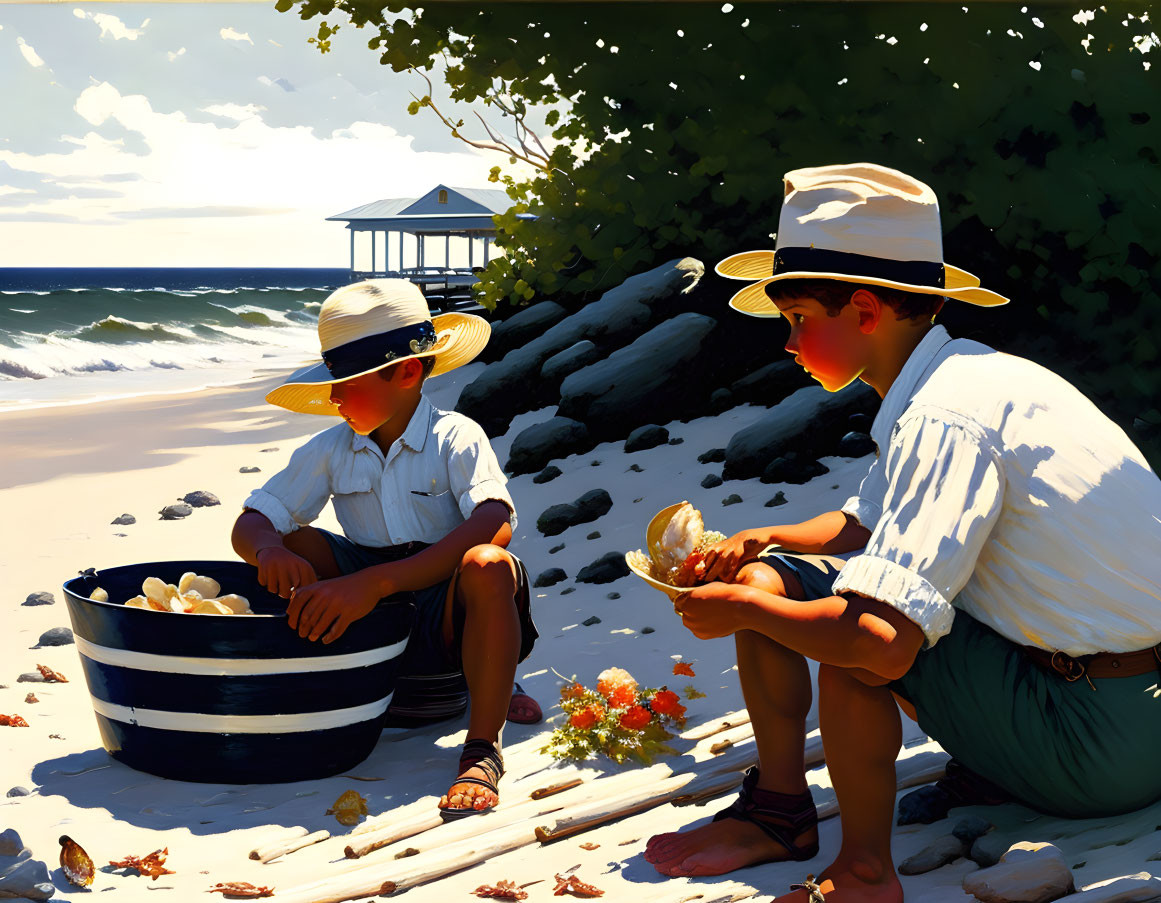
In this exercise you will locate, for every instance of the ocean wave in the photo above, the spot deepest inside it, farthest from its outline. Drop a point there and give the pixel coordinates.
(14, 370)
(116, 330)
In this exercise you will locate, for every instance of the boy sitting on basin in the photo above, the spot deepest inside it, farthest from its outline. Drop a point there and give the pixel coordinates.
(422, 502)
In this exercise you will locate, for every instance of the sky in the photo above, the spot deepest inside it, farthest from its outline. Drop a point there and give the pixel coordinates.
(141, 134)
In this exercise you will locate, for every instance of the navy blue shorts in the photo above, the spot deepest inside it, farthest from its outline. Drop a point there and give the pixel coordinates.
(426, 651)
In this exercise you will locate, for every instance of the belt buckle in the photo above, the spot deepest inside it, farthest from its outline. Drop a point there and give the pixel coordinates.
(1067, 666)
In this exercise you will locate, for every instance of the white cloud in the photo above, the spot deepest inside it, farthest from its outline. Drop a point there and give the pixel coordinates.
(112, 27)
(234, 111)
(173, 56)
(29, 54)
(230, 35)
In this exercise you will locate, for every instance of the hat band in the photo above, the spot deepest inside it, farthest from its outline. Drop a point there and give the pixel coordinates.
(374, 351)
(820, 260)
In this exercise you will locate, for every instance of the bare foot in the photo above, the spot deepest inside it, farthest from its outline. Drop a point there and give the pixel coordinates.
(717, 848)
(841, 886)
(469, 796)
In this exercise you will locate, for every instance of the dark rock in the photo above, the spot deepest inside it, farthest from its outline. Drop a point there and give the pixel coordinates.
(567, 362)
(10, 843)
(595, 462)
(646, 437)
(173, 512)
(676, 440)
(713, 456)
(860, 423)
(550, 577)
(652, 379)
(555, 549)
(27, 878)
(987, 850)
(538, 444)
(720, 400)
(613, 596)
(971, 828)
(768, 385)
(923, 806)
(42, 597)
(809, 422)
(711, 480)
(19, 791)
(556, 519)
(57, 636)
(596, 534)
(609, 567)
(732, 499)
(648, 630)
(274, 449)
(550, 473)
(1027, 872)
(249, 470)
(31, 677)
(589, 622)
(124, 520)
(793, 468)
(779, 499)
(521, 328)
(937, 854)
(512, 385)
(201, 499)
(856, 445)
(636, 468)
(565, 592)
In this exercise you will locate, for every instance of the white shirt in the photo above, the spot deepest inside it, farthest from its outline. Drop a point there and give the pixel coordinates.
(1004, 492)
(429, 483)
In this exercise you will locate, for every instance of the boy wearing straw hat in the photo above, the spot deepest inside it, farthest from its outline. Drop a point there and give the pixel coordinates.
(422, 502)
(1007, 593)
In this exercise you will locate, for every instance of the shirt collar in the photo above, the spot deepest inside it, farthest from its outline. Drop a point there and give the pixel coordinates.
(915, 371)
(413, 437)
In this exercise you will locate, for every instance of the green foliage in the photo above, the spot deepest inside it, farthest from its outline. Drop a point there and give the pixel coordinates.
(671, 126)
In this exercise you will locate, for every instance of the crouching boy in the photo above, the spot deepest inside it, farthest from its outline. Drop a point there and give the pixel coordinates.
(422, 502)
(1009, 591)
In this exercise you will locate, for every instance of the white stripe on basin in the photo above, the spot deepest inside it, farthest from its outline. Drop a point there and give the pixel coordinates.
(233, 667)
(241, 724)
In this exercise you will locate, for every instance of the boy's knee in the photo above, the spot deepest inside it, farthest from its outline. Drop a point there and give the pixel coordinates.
(770, 579)
(488, 565)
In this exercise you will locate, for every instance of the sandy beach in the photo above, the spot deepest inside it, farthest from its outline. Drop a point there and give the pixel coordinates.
(69, 471)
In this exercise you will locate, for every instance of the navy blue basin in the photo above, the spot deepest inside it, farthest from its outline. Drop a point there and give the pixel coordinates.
(232, 699)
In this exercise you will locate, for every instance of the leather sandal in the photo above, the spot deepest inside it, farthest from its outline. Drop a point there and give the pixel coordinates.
(522, 699)
(781, 816)
(482, 754)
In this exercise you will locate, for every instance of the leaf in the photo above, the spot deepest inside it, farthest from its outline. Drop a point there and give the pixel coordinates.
(349, 809)
(75, 862)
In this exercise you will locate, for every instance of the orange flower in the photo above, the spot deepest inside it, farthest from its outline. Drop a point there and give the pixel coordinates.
(666, 702)
(622, 697)
(683, 668)
(635, 718)
(576, 691)
(612, 679)
(586, 717)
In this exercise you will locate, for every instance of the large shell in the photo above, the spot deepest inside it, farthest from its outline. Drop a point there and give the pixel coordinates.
(75, 862)
(99, 595)
(211, 607)
(208, 587)
(138, 602)
(678, 540)
(239, 605)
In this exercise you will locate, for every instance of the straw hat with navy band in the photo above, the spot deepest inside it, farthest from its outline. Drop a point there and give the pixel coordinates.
(856, 222)
(367, 326)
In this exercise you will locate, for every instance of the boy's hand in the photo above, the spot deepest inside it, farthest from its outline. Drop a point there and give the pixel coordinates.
(327, 608)
(709, 611)
(724, 559)
(280, 570)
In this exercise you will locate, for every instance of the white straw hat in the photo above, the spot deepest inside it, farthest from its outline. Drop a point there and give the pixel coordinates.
(366, 326)
(855, 222)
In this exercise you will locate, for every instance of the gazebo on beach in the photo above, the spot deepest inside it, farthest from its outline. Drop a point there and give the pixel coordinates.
(444, 212)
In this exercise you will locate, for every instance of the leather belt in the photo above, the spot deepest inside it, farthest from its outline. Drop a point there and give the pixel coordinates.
(1098, 666)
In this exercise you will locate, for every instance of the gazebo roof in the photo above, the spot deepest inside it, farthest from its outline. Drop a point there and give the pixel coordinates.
(465, 209)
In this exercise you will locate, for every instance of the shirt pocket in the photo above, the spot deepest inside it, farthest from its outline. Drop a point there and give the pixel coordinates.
(358, 476)
(436, 511)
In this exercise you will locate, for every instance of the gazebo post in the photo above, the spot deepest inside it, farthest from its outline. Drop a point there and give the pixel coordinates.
(352, 228)
(487, 245)
(372, 253)
(447, 251)
(471, 248)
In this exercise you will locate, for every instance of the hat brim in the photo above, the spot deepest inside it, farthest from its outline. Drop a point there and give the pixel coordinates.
(459, 339)
(757, 265)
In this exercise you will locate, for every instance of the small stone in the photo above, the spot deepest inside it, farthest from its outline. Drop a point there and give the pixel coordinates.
(635, 501)
(124, 520)
(551, 472)
(269, 449)
(57, 636)
(779, 499)
(987, 850)
(971, 828)
(31, 699)
(31, 677)
(860, 423)
(721, 400)
(609, 567)
(19, 791)
(595, 462)
(28, 878)
(173, 512)
(556, 549)
(589, 622)
(40, 598)
(636, 468)
(937, 854)
(710, 480)
(923, 806)
(249, 470)
(856, 445)
(550, 577)
(613, 596)
(677, 440)
(565, 592)
(596, 534)
(10, 843)
(647, 630)
(201, 499)
(732, 499)
(713, 456)
(646, 437)
(1026, 873)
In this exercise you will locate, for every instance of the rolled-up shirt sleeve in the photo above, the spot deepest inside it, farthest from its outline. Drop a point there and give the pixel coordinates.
(944, 488)
(295, 495)
(474, 472)
(867, 506)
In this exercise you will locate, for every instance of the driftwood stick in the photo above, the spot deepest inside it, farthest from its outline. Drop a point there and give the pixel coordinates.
(370, 841)
(555, 788)
(261, 852)
(709, 728)
(291, 846)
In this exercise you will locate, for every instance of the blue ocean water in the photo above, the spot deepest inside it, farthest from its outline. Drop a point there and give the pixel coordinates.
(69, 335)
